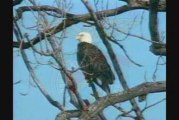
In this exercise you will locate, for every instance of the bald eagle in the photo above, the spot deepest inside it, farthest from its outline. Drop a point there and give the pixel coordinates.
(93, 63)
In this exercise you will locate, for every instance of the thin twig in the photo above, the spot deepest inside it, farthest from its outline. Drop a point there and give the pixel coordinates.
(147, 107)
(31, 71)
(102, 34)
(125, 52)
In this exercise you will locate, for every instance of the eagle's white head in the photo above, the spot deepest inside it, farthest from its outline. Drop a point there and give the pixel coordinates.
(84, 37)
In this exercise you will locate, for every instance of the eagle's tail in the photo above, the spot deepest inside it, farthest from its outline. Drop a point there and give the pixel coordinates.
(103, 86)
(106, 88)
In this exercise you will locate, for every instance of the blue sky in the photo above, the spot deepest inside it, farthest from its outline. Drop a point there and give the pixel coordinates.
(34, 106)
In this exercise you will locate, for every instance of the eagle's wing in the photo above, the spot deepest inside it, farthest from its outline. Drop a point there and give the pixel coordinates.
(94, 65)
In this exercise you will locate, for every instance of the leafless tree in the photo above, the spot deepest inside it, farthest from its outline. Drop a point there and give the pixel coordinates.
(50, 46)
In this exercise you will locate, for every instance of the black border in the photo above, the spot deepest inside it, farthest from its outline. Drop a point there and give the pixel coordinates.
(6, 60)
(6, 57)
(172, 60)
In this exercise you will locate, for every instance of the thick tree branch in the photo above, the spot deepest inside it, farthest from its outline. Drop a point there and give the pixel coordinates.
(157, 49)
(161, 50)
(68, 114)
(23, 9)
(144, 88)
(70, 81)
(45, 34)
(16, 2)
(136, 4)
(74, 20)
(67, 77)
(117, 67)
(146, 4)
(93, 110)
(103, 102)
(49, 53)
(33, 75)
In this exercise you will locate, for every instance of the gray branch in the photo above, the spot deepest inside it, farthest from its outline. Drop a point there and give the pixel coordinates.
(32, 73)
(80, 18)
(144, 88)
(103, 102)
(16, 2)
(146, 4)
(67, 76)
(157, 49)
(58, 11)
(112, 55)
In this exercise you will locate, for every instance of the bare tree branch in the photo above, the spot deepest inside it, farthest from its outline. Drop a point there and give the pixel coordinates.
(46, 33)
(144, 88)
(36, 50)
(74, 20)
(60, 12)
(159, 50)
(112, 55)
(124, 113)
(146, 4)
(19, 81)
(70, 80)
(133, 35)
(147, 107)
(68, 114)
(16, 2)
(103, 102)
(124, 50)
(153, 27)
(33, 75)
(85, 110)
